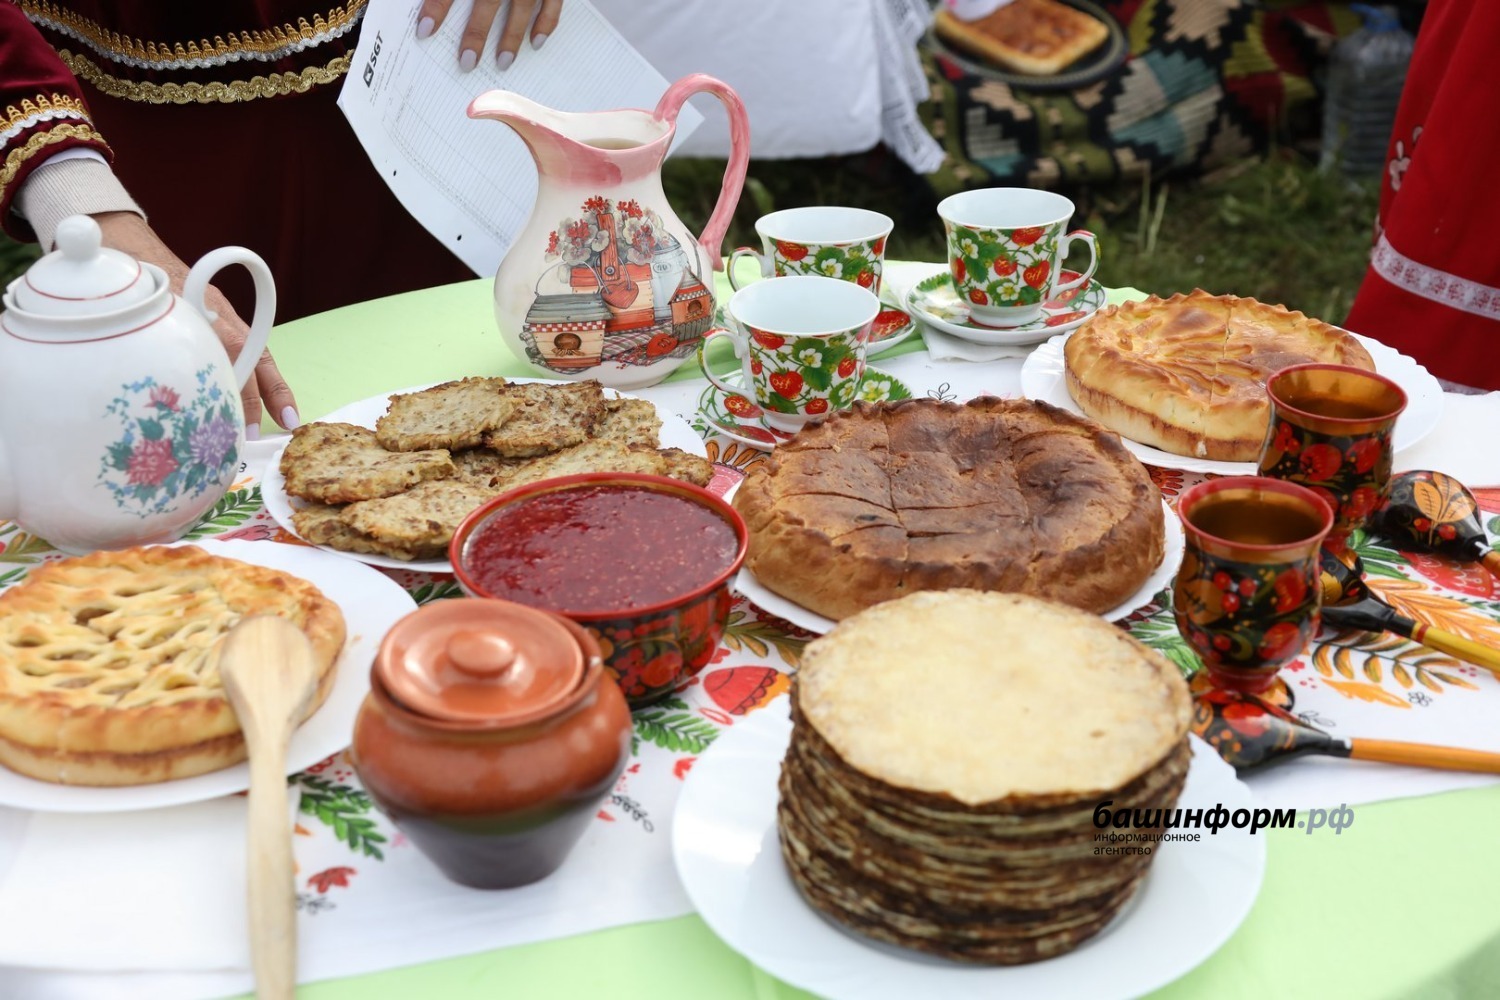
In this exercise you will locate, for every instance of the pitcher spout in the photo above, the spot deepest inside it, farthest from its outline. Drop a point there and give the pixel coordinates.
(588, 148)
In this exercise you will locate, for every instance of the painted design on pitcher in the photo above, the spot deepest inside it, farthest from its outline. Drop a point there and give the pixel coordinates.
(622, 290)
(175, 445)
(1010, 271)
(859, 262)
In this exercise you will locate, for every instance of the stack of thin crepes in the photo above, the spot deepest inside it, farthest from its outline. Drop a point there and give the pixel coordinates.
(948, 753)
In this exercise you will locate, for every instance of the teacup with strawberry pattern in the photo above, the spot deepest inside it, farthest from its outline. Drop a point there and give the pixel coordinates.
(802, 342)
(1006, 247)
(825, 240)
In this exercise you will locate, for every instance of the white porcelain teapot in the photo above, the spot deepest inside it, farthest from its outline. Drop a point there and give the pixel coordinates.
(120, 414)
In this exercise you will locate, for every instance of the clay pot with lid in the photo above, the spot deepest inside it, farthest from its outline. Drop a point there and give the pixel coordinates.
(490, 736)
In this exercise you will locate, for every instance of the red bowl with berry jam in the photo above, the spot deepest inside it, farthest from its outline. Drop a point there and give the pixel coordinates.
(644, 563)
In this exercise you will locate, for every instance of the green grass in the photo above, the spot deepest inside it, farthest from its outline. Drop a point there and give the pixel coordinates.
(1275, 229)
(14, 258)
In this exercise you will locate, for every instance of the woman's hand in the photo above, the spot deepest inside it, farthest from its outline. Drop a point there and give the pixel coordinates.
(538, 15)
(128, 232)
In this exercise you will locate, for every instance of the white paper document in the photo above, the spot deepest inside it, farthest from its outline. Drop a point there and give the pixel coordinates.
(472, 183)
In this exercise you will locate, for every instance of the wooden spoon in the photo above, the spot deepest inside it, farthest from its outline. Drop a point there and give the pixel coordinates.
(1348, 603)
(267, 667)
(1430, 512)
(1250, 732)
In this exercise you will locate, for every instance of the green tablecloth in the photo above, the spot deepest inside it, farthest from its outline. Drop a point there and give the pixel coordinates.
(1399, 905)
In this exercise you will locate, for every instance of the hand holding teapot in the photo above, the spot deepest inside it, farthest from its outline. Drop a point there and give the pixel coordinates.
(120, 417)
(268, 391)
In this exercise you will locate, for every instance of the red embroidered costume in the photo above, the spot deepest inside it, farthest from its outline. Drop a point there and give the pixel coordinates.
(220, 119)
(1433, 287)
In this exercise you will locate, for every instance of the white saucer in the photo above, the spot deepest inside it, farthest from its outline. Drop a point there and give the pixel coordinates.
(935, 301)
(738, 417)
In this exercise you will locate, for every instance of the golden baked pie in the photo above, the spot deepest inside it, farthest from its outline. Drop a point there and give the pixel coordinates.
(947, 753)
(109, 662)
(881, 500)
(1188, 374)
(1037, 37)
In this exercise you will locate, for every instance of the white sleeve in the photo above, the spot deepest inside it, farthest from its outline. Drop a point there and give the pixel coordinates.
(72, 182)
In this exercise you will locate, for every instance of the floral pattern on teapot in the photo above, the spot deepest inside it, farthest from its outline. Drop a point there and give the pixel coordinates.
(620, 289)
(173, 446)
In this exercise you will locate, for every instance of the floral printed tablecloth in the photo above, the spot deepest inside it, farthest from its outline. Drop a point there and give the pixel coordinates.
(164, 916)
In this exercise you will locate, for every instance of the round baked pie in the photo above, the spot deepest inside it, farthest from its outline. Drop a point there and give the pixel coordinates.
(881, 500)
(1188, 374)
(109, 662)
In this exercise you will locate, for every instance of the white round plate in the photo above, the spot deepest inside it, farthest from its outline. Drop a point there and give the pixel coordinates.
(724, 843)
(936, 302)
(675, 433)
(371, 602)
(1042, 378)
(1160, 578)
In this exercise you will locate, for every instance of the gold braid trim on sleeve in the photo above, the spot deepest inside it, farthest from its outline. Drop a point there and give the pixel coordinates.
(113, 45)
(216, 92)
(40, 104)
(17, 158)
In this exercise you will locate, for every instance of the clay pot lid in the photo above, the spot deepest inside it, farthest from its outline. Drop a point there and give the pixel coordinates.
(82, 277)
(475, 660)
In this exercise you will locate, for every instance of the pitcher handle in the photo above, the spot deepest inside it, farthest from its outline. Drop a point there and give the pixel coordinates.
(667, 109)
(195, 288)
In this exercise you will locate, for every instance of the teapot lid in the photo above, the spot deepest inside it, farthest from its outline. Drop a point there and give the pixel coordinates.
(480, 660)
(82, 277)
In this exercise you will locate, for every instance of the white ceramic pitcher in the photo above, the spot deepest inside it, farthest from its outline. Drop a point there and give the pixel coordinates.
(605, 282)
(120, 414)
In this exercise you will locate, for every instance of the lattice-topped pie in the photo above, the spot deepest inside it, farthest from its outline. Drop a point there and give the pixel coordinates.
(1188, 374)
(109, 662)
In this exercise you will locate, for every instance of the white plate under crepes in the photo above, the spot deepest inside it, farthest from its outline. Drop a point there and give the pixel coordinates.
(371, 602)
(1042, 377)
(675, 433)
(724, 843)
(767, 599)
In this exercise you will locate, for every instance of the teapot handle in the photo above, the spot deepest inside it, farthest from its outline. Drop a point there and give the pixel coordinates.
(667, 109)
(196, 287)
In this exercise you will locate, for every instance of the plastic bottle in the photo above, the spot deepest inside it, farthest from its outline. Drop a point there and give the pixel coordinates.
(1365, 74)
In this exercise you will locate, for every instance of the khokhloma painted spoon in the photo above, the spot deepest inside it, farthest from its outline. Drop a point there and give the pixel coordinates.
(1349, 603)
(1250, 732)
(1432, 512)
